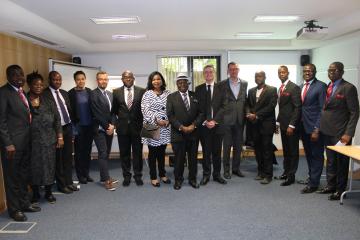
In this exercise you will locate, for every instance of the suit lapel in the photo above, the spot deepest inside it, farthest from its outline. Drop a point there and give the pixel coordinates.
(261, 94)
(181, 101)
(229, 89)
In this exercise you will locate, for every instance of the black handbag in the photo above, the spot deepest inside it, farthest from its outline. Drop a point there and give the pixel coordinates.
(150, 131)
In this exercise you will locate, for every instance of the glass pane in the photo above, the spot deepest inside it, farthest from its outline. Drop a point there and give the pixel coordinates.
(170, 67)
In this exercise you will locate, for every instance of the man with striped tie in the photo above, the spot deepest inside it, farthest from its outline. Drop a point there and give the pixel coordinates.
(185, 115)
(127, 107)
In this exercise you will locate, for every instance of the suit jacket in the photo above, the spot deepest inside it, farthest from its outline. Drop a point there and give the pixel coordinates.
(73, 103)
(264, 109)
(217, 102)
(100, 109)
(178, 115)
(234, 112)
(312, 105)
(289, 106)
(341, 113)
(14, 119)
(127, 118)
(48, 95)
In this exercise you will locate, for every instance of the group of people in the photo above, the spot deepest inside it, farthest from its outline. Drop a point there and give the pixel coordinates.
(38, 130)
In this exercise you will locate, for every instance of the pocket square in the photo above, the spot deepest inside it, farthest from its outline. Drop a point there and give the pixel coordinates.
(339, 96)
(286, 94)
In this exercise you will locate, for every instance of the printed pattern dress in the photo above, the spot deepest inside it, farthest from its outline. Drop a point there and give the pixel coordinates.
(153, 107)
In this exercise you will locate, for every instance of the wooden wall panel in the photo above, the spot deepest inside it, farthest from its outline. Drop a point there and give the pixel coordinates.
(30, 57)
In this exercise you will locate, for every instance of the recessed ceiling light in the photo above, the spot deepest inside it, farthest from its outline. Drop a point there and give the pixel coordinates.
(115, 20)
(253, 34)
(128, 36)
(290, 18)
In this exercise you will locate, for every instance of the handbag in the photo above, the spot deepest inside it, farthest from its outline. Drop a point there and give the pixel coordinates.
(150, 131)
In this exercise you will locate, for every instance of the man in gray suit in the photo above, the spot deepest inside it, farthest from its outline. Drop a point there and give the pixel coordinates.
(338, 121)
(234, 90)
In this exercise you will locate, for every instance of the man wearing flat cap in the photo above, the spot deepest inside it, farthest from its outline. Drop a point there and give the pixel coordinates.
(185, 116)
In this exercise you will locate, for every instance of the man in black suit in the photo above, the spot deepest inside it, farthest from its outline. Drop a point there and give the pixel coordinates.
(288, 122)
(234, 90)
(338, 121)
(185, 116)
(211, 100)
(63, 171)
(101, 102)
(260, 112)
(15, 119)
(312, 96)
(127, 107)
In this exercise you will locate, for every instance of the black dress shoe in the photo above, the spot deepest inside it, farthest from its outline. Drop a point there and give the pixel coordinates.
(82, 180)
(220, 180)
(194, 184)
(177, 185)
(89, 179)
(18, 216)
(32, 208)
(308, 189)
(65, 190)
(167, 181)
(50, 198)
(288, 182)
(139, 181)
(266, 180)
(73, 187)
(126, 182)
(227, 175)
(238, 173)
(335, 196)
(204, 180)
(325, 190)
(281, 177)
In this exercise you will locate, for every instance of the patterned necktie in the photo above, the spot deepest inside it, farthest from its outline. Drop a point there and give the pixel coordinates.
(208, 103)
(25, 102)
(186, 102)
(329, 92)
(107, 99)
(282, 88)
(64, 113)
(129, 98)
(305, 91)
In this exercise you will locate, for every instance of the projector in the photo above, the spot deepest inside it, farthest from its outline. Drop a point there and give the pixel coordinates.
(310, 33)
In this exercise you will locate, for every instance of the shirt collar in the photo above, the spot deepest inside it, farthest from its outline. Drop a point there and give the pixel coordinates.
(310, 82)
(286, 82)
(16, 88)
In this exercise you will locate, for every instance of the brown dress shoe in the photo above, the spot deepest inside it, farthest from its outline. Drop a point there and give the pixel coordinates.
(109, 185)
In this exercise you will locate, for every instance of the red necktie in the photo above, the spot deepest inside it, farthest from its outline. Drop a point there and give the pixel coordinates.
(282, 88)
(305, 91)
(24, 100)
(329, 91)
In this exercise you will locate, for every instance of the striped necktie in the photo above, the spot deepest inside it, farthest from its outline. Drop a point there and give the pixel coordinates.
(186, 102)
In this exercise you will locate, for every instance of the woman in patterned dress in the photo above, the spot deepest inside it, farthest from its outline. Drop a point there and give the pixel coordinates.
(153, 107)
(46, 136)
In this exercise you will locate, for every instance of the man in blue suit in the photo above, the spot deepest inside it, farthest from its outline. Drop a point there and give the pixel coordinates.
(313, 95)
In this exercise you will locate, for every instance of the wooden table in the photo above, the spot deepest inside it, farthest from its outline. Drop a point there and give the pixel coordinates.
(354, 153)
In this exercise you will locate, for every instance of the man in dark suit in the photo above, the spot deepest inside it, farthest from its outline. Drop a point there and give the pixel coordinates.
(338, 121)
(127, 107)
(211, 100)
(101, 102)
(234, 90)
(15, 119)
(260, 112)
(288, 121)
(63, 171)
(312, 96)
(185, 116)
(80, 102)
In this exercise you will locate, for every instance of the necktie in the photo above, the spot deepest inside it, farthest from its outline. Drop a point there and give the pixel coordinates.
(208, 103)
(24, 100)
(129, 98)
(107, 99)
(186, 102)
(329, 91)
(64, 113)
(306, 86)
(282, 88)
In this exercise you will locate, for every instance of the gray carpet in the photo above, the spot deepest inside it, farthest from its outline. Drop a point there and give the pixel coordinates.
(242, 209)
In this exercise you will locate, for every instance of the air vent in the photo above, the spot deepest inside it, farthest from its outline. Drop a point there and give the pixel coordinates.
(37, 38)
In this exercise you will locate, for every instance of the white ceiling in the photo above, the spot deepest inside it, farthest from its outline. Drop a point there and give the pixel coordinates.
(175, 24)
